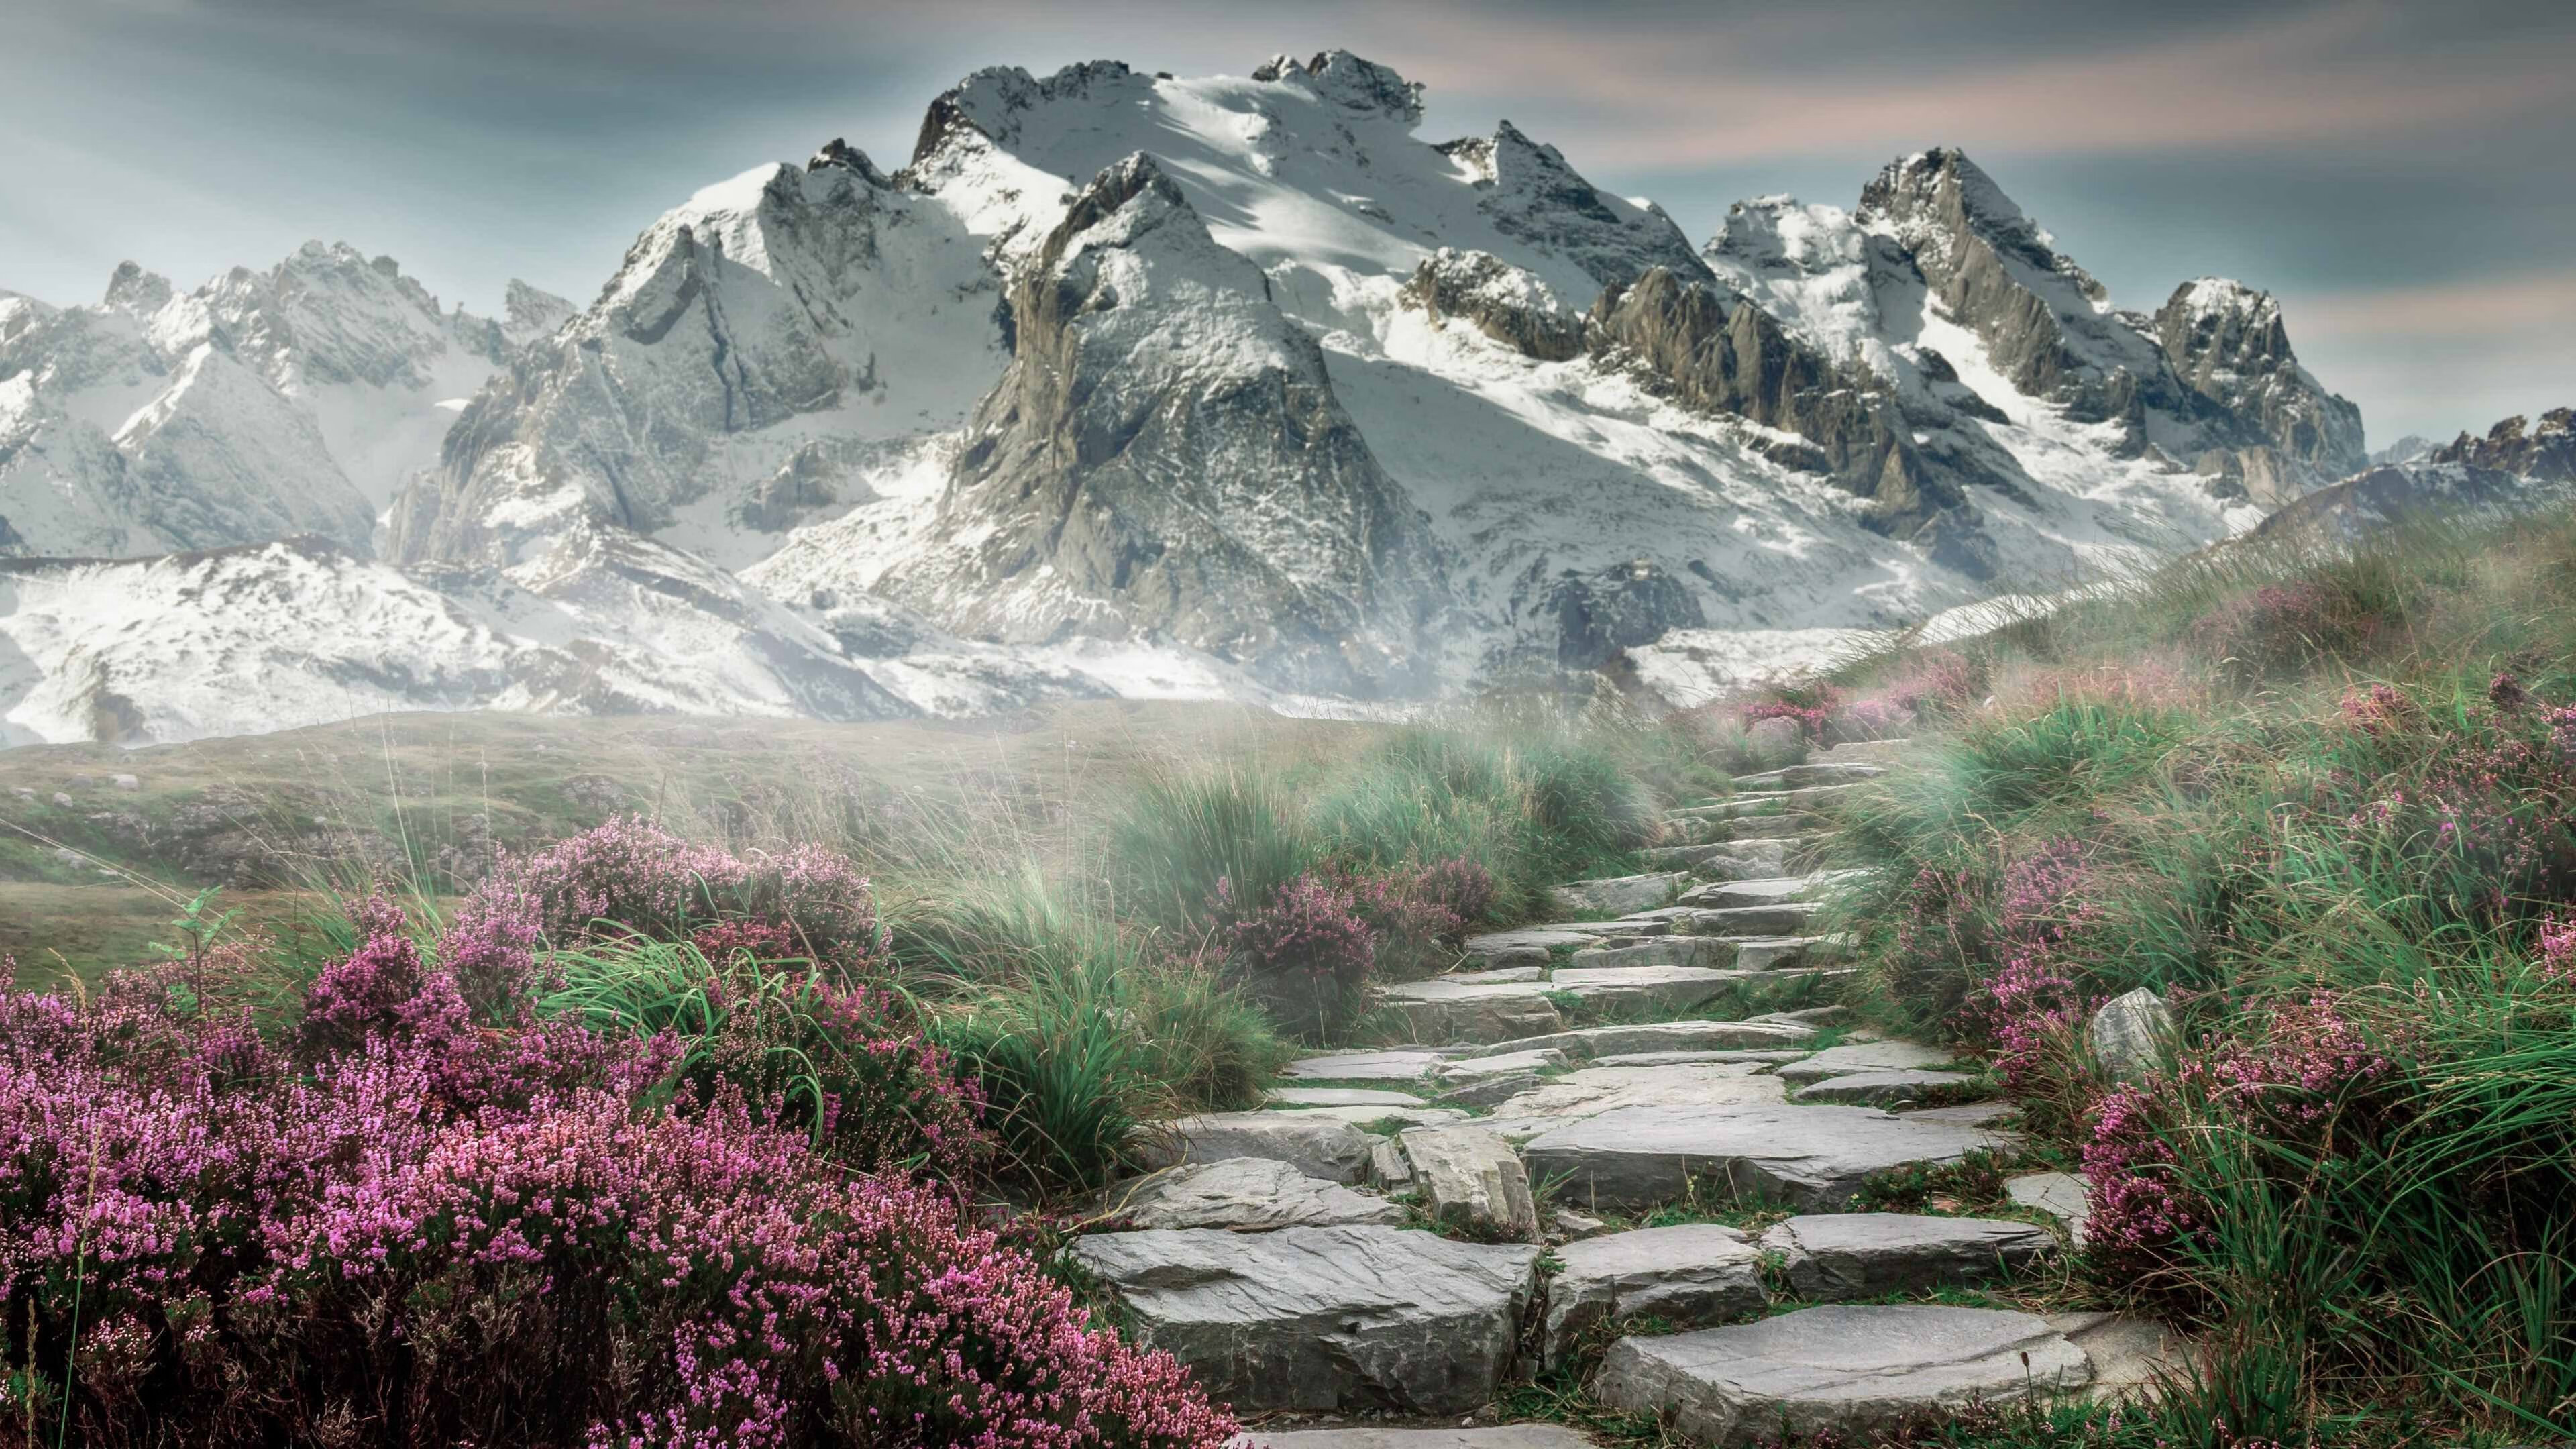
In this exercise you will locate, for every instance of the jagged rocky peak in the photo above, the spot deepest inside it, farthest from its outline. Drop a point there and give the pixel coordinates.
(2545, 451)
(1165, 460)
(993, 102)
(839, 152)
(1506, 303)
(1534, 195)
(531, 314)
(2228, 343)
(1935, 201)
(1780, 233)
(136, 292)
(1350, 81)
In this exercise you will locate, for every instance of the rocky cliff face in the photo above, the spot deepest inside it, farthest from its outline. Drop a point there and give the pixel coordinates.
(2227, 343)
(1165, 460)
(2545, 451)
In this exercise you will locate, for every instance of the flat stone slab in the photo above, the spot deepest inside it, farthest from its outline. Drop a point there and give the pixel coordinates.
(1488, 1091)
(1812, 1158)
(1339, 1097)
(1406, 1064)
(1690, 1276)
(1542, 939)
(1660, 1036)
(1499, 976)
(1662, 951)
(1676, 1059)
(2065, 1196)
(1830, 1257)
(1796, 777)
(1315, 1144)
(1443, 1009)
(1496, 1436)
(1776, 953)
(1617, 895)
(1853, 1369)
(1367, 1116)
(1786, 919)
(1733, 894)
(1654, 988)
(1969, 1114)
(1243, 1194)
(1868, 1056)
(1468, 1069)
(1690, 1087)
(1347, 1319)
(1884, 1089)
(1868, 752)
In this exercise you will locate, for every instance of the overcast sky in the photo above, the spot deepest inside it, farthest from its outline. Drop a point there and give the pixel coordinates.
(2402, 175)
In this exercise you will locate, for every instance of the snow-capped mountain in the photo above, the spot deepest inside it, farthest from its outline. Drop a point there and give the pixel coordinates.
(1127, 383)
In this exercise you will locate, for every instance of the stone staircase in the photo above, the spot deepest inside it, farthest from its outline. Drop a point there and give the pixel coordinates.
(1274, 1250)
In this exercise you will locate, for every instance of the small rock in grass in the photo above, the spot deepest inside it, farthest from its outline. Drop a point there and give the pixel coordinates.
(1574, 1227)
(1470, 1176)
(2065, 1196)
(2131, 1034)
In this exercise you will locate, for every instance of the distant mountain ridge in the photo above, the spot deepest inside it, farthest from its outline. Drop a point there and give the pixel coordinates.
(1133, 384)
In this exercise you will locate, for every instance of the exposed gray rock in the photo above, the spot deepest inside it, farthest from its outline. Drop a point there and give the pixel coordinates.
(1833, 1256)
(1601, 615)
(1689, 1276)
(1574, 1227)
(1667, 951)
(1736, 894)
(2226, 341)
(1647, 988)
(1675, 1059)
(1872, 1056)
(1243, 1194)
(1799, 1157)
(1786, 919)
(1883, 1089)
(1387, 1165)
(1339, 1097)
(1852, 1369)
(1653, 1036)
(1970, 1114)
(2065, 1196)
(1510, 305)
(1692, 1087)
(1869, 752)
(1616, 895)
(1325, 1319)
(2132, 1034)
(2131, 1356)
(1793, 778)
(1368, 1118)
(1470, 1176)
(1489, 1091)
(2543, 452)
(1444, 1010)
(1317, 1145)
(1520, 1063)
(1400, 1064)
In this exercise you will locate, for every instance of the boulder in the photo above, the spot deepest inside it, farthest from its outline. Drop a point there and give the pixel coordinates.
(1855, 1370)
(1616, 895)
(1829, 1257)
(1348, 1319)
(2065, 1196)
(1404, 1064)
(1315, 1145)
(1470, 1177)
(1387, 1164)
(1870, 1056)
(1690, 1276)
(1242, 1194)
(1884, 1089)
(2132, 1034)
(1798, 1157)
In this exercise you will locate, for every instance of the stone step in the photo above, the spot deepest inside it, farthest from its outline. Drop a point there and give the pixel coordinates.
(1676, 1059)
(1850, 1370)
(1315, 1144)
(1698, 1087)
(1869, 752)
(1647, 988)
(1616, 895)
(1469, 1177)
(1720, 859)
(1338, 1097)
(1801, 826)
(1243, 1195)
(2065, 1196)
(1833, 1257)
(1788, 918)
(1368, 1118)
(1768, 891)
(1325, 1320)
(1654, 1036)
(1782, 953)
(1468, 1069)
(1472, 1013)
(1883, 1089)
(1809, 1158)
(1373, 1436)
(1796, 777)
(1393, 1064)
(1666, 951)
(1688, 1276)
(1874, 1056)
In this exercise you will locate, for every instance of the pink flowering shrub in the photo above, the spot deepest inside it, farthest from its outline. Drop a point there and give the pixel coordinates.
(1413, 914)
(1931, 684)
(1808, 706)
(438, 1235)
(1305, 953)
(632, 876)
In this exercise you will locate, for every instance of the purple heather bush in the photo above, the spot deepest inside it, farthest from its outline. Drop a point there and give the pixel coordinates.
(408, 1221)
(1304, 953)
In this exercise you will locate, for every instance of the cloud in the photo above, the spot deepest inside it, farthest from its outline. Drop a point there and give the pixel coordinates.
(2538, 303)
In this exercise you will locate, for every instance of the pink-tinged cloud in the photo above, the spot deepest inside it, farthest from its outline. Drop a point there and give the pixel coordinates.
(2532, 303)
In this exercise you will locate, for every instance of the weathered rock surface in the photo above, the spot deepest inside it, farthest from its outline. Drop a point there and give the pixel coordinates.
(1471, 1176)
(1700, 1088)
(1798, 777)
(1489, 1091)
(1654, 1036)
(1833, 1256)
(1884, 1089)
(1469, 1069)
(1443, 1010)
(1317, 1145)
(1852, 1369)
(2065, 1196)
(1799, 1157)
(1874, 1056)
(1402, 1064)
(1243, 1194)
(1368, 1116)
(1325, 1319)
(2131, 1034)
(1666, 951)
(1340, 1097)
(1690, 1276)
(1788, 918)
(1780, 953)
(1496, 1436)
(1676, 1059)
(1648, 988)
(1617, 895)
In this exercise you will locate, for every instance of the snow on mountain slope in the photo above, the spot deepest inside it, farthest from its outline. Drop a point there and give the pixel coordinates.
(262, 404)
(1231, 385)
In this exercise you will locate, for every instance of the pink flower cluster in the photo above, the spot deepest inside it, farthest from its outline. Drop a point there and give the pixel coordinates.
(408, 1228)
(1305, 952)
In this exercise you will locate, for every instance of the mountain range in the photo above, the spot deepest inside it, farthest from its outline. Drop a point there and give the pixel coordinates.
(1121, 385)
